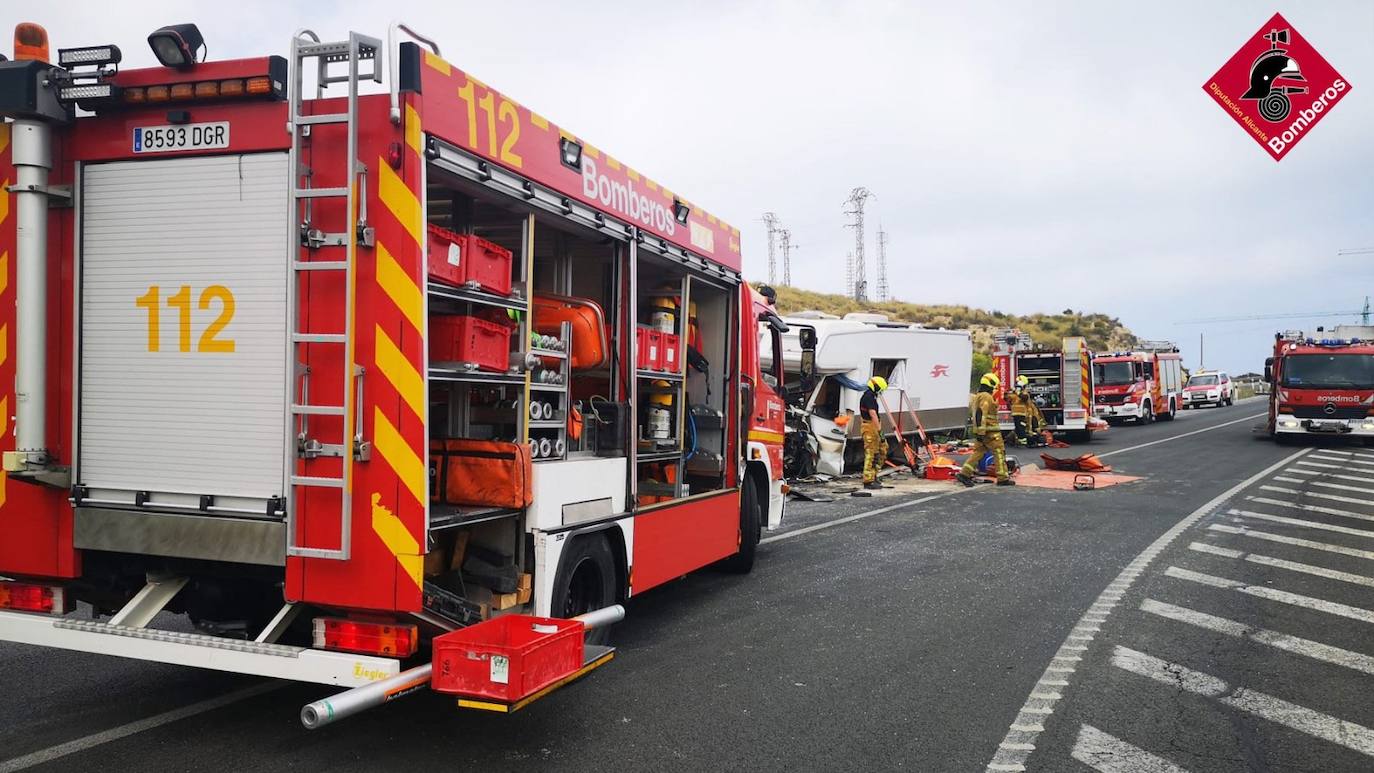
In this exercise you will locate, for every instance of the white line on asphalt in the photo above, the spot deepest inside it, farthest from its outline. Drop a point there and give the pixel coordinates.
(1304, 720)
(1323, 466)
(115, 733)
(1108, 754)
(1357, 661)
(1339, 486)
(1337, 476)
(1304, 523)
(1005, 759)
(1176, 437)
(1318, 494)
(1283, 563)
(1323, 455)
(1311, 508)
(1273, 594)
(1282, 479)
(1295, 541)
(1338, 452)
(859, 516)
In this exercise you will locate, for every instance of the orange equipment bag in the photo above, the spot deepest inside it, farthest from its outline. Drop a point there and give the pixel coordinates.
(492, 473)
(590, 350)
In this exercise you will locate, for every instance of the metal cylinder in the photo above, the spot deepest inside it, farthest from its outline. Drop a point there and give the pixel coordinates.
(545, 448)
(536, 410)
(559, 446)
(32, 155)
(350, 702)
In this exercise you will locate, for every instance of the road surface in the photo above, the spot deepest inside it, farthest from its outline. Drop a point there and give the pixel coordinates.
(1212, 616)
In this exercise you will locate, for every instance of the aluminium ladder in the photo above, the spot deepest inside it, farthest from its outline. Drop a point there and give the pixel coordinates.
(306, 45)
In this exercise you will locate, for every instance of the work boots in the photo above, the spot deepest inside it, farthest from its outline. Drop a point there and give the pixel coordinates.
(1006, 482)
(964, 478)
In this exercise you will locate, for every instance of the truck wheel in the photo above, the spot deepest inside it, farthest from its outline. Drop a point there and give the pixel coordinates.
(749, 520)
(1173, 411)
(585, 581)
(1147, 413)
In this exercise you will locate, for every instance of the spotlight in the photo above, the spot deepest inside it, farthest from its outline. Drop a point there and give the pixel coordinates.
(681, 211)
(176, 45)
(571, 153)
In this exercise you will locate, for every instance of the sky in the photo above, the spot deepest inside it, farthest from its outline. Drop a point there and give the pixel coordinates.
(1024, 157)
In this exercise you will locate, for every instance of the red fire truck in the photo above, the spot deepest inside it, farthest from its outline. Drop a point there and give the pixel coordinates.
(1060, 382)
(1322, 386)
(1141, 385)
(334, 373)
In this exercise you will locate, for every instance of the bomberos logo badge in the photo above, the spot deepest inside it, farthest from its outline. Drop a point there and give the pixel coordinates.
(1277, 87)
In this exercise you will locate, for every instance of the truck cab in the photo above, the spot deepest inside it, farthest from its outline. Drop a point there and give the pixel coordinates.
(1138, 386)
(1320, 387)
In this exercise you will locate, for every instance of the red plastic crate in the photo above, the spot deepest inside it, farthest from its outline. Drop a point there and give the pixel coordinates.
(649, 353)
(461, 338)
(507, 658)
(463, 260)
(667, 353)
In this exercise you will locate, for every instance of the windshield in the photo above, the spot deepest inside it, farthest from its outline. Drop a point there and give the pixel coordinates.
(1113, 373)
(1202, 381)
(1329, 371)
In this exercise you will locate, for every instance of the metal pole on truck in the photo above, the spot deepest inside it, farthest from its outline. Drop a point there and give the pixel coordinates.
(346, 704)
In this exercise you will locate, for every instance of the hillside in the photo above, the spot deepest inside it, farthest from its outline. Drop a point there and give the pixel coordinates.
(1104, 333)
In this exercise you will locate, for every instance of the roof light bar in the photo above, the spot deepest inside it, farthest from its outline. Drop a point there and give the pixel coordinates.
(90, 55)
(88, 94)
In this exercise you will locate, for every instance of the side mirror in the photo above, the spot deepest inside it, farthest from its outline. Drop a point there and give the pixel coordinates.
(806, 336)
(774, 321)
(1269, 369)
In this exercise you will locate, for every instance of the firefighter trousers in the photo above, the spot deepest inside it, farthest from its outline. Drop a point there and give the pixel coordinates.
(1022, 424)
(875, 450)
(988, 442)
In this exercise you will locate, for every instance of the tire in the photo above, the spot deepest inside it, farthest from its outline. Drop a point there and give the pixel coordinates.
(1147, 414)
(586, 581)
(749, 524)
(1173, 411)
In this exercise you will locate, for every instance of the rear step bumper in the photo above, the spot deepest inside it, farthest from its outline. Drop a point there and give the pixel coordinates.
(216, 653)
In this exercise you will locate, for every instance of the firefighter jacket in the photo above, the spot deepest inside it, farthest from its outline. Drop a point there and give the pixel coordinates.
(1019, 402)
(984, 413)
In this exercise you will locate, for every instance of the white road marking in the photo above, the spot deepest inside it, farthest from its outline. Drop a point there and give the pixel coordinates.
(1338, 486)
(1317, 494)
(1311, 508)
(1008, 759)
(1328, 728)
(1283, 563)
(1323, 455)
(1306, 524)
(1337, 476)
(861, 516)
(115, 733)
(1295, 541)
(1282, 479)
(1357, 661)
(1176, 437)
(1364, 478)
(1274, 594)
(1108, 754)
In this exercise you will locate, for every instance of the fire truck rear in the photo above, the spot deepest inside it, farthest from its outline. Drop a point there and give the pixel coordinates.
(1141, 385)
(351, 379)
(1321, 386)
(1060, 381)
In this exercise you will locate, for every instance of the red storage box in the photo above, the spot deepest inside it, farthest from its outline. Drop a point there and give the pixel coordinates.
(468, 260)
(507, 658)
(461, 338)
(649, 351)
(667, 353)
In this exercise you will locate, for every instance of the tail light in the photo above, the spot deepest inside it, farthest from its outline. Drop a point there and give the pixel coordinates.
(389, 639)
(28, 597)
(231, 88)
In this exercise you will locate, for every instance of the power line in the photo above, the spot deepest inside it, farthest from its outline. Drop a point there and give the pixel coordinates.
(785, 240)
(882, 263)
(770, 221)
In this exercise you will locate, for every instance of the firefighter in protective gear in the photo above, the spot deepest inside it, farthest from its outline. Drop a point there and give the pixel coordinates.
(1020, 403)
(987, 436)
(875, 445)
(1037, 424)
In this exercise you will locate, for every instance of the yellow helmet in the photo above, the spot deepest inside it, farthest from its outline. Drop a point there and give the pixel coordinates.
(1022, 382)
(877, 383)
(990, 380)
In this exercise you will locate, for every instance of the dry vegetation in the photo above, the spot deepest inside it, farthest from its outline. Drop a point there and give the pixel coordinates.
(1104, 333)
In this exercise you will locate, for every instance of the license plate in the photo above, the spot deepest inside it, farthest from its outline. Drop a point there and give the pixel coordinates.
(181, 137)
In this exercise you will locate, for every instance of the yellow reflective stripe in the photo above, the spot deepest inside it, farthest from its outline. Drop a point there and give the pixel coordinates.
(588, 150)
(4, 199)
(397, 369)
(4, 343)
(4, 268)
(4, 137)
(468, 703)
(401, 201)
(413, 129)
(434, 61)
(764, 436)
(398, 540)
(400, 288)
(612, 163)
(408, 465)
(539, 121)
(632, 174)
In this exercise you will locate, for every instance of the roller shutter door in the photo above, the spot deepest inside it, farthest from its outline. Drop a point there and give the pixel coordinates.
(183, 328)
